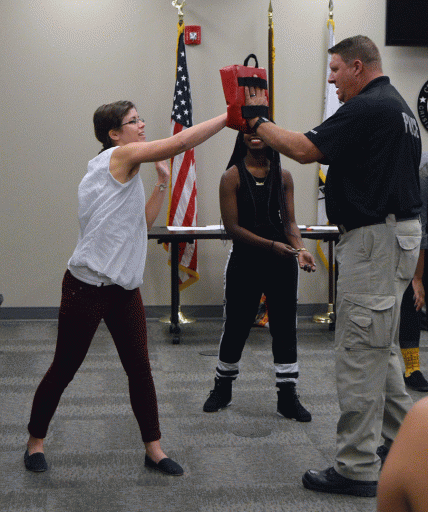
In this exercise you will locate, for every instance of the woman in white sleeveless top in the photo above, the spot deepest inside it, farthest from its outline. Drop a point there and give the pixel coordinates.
(106, 270)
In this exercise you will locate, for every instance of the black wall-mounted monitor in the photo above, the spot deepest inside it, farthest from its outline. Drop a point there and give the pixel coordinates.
(406, 23)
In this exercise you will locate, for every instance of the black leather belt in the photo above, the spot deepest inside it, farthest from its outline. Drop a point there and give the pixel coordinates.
(344, 228)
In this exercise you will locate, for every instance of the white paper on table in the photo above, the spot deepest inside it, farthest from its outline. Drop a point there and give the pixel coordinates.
(324, 228)
(194, 228)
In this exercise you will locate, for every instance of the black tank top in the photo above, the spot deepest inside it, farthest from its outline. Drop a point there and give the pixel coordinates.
(258, 206)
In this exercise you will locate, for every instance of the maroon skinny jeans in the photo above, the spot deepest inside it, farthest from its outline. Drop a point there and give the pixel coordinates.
(83, 306)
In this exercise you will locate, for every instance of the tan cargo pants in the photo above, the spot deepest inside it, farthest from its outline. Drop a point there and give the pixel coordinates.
(376, 264)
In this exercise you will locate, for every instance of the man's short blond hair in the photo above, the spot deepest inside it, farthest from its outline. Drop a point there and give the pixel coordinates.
(358, 47)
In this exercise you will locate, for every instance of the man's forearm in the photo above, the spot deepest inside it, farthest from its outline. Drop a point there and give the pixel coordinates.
(294, 145)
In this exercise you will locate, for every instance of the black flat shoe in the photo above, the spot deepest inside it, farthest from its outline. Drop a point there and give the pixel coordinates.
(416, 381)
(166, 465)
(330, 481)
(35, 462)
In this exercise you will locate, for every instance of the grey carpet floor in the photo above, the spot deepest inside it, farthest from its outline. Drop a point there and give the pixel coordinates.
(242, 459)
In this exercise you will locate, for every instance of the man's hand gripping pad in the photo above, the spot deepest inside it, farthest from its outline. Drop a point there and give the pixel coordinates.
(234, 79)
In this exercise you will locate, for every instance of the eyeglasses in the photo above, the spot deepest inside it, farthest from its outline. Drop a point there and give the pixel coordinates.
(134, 120)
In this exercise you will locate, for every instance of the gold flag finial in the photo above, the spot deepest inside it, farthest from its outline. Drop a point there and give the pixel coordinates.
(179, 7)
(330, 20)
(270, 13)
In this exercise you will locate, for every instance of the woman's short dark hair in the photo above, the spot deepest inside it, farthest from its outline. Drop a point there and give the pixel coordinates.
(109, 117)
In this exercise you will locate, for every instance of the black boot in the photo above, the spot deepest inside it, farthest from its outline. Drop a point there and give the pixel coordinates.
(289, 405)
(221, 396)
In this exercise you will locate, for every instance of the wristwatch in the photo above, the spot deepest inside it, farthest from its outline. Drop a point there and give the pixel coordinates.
(259, 121)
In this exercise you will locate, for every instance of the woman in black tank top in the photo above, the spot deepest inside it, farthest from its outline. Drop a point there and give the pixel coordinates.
(257, 208)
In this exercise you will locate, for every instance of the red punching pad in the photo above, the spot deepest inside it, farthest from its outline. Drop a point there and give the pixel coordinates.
(234, 79)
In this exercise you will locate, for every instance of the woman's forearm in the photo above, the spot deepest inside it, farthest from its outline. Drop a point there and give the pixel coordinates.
(154, 205)
(163, 149)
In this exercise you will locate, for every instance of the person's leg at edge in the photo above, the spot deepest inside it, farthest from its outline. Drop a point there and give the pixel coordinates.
(77, 322)
(409, 338)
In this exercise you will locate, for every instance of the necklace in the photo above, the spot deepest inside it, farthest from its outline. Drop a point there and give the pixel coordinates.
(259, 181)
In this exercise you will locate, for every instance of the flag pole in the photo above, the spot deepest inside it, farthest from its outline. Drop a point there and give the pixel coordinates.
(271, 63)
(329, 317)
(177, 318)
(262, 316)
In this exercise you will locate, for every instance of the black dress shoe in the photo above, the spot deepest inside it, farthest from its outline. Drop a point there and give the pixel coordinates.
(416, 381)
(330, 481)
(35, 462)
(166, 465)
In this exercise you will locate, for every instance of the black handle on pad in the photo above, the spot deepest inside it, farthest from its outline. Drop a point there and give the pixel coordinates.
(249, 57)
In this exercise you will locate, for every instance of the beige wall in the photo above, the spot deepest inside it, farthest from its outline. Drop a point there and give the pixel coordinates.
(61, 59)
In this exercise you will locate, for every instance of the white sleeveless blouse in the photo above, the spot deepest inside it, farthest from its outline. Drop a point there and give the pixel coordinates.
(112, 243)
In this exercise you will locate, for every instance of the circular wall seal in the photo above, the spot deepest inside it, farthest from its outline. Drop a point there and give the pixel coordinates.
(423, 105)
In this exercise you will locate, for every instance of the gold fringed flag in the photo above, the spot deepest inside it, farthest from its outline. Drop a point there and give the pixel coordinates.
(271, 52)
(262, 317)
(331, 104)
(182, 209)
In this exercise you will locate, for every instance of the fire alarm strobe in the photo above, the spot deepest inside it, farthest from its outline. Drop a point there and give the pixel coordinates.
(192, 34)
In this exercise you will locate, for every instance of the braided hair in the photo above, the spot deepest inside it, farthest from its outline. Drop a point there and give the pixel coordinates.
(276, 183)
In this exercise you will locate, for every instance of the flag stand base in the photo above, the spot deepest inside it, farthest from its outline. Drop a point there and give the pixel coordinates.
(326, 318)
(182, 319)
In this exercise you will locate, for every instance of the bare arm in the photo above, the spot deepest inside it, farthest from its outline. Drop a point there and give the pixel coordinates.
(155, 201)
(294, 145)
(126, 158)
(403, 483)
(305, 258)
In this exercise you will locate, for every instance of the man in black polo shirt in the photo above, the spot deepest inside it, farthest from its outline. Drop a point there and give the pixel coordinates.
(372, 146)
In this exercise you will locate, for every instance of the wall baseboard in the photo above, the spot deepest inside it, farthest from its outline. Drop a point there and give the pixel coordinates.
(51, 313)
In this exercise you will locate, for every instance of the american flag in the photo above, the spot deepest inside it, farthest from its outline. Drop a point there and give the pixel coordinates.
(182, 210)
